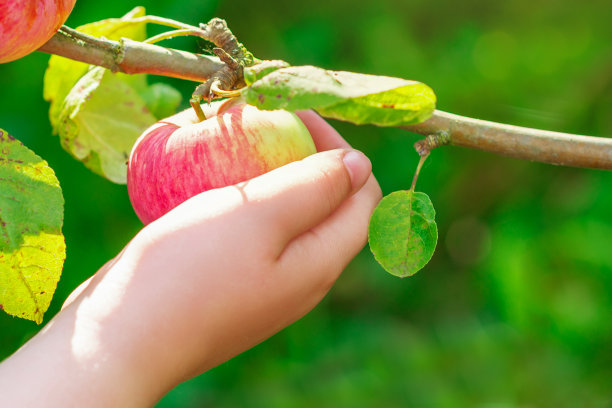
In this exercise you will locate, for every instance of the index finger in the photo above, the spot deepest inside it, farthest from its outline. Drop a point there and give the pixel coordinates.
(324, 135)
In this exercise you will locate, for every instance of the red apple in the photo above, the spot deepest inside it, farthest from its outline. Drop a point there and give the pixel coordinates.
(25, 25)
(171, 163)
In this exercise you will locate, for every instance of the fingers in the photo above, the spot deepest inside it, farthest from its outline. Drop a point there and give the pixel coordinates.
(322, 253)
(294, 198)
(323, 134)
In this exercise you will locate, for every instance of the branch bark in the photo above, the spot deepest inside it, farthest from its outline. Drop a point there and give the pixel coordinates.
(132, 57)
(523, 143)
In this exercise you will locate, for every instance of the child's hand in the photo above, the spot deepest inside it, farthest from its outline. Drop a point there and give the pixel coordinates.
(213, 277)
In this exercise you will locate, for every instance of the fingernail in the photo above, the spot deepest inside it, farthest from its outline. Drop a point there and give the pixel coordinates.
(358, 166)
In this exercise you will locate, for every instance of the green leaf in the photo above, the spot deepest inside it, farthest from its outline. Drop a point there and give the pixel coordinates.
(101, 119)
(63, 73)
(357, 98)
(403, 232)
(32, 248)
(161, 99)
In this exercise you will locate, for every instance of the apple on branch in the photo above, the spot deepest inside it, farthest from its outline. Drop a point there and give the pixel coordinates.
(25, 25)
(177, 158)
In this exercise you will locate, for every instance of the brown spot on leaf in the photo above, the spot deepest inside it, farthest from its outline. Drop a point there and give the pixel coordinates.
(261, 98)
(5, 136)
(388, 106)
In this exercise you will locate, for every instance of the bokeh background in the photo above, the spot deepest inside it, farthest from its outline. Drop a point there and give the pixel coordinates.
(515, 308)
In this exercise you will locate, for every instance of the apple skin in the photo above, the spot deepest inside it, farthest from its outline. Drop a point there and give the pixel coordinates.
(25, 25)
(170, 163)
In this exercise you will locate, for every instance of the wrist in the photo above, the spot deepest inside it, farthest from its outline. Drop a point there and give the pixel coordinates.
(68, 364)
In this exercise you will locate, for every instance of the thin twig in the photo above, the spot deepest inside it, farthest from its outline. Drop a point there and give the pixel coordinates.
(523, 143)
(217, 32)
(161, 21)
(184, 32)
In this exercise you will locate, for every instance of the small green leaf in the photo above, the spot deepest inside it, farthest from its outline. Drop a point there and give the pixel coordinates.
(32, 248)
(403, 232)
(357, 98)
(100, 121)
(161, 99)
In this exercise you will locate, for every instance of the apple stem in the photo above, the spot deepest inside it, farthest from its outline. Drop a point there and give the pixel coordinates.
(221, 83)
(195, 104)
(214, 88)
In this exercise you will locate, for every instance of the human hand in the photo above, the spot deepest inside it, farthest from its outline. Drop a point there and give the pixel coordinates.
(215, 276)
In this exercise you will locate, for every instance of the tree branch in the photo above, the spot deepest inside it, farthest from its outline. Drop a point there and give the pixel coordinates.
(522, 143)
(131, 57)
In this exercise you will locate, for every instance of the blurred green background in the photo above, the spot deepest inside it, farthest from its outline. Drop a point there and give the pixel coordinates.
(514, 310)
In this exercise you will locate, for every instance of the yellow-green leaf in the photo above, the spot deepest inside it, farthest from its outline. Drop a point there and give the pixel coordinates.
(32, 248)
(100, 121)
(99, 115)
(63, 73)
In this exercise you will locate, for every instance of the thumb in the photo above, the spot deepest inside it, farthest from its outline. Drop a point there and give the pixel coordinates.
(296, 197)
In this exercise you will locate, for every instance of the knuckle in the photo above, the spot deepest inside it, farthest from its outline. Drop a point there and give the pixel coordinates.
(332, 185)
